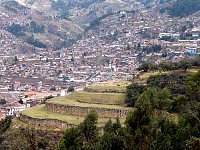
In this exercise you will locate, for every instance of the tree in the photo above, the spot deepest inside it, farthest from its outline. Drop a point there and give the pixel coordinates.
(193, 86)
(185, 64)
(113, 137)
(165, 66)
(71, 139)
(84, 136)
(5, 124)
(89, 126)
(164, 97)
(145, 67)
(193, 143)
(165, 135)
(70, 89)
(138, 122)
(108, 126)
(112, 142)
(178, 103)
(133, 91)
(152, 96)
(116, 126)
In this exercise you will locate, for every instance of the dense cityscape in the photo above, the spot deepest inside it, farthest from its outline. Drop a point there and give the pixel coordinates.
(46, 53)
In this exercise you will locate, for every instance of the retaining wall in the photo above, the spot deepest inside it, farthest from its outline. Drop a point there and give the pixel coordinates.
(83, 111)
(89, 89)
(47, 123)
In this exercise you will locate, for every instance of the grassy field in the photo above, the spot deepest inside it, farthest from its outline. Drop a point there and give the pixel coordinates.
(112, 86)
(40, 112)
(98, 98)
(104, 89)
(146, 75)
(66, 101)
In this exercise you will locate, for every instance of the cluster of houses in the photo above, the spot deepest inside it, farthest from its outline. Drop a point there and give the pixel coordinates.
(114, 49)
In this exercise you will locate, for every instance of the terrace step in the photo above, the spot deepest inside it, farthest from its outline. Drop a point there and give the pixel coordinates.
(96, 98)
(40, 114)
(82, 109)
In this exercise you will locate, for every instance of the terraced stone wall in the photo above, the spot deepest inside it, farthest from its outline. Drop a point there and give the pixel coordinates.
(83, 111)
(89, 89)
(47, 123)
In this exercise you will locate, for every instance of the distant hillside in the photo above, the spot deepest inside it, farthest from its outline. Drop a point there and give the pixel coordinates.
(151, 3)
(81, 12)
(182, 8)
(38, 29)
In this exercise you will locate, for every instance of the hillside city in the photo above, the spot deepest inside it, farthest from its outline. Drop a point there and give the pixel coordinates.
(44, 55)
(114, 49)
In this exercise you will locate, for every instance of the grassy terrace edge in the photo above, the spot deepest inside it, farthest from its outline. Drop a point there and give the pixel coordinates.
(39, 112)
(98, 98)
(70, 102)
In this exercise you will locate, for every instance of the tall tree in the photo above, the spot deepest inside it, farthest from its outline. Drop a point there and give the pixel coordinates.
(138, 123)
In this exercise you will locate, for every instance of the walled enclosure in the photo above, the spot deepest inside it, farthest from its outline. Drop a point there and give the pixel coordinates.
(83, 111)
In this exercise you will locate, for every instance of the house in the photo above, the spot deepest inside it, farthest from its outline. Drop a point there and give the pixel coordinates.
(191, 51)
(15, 109)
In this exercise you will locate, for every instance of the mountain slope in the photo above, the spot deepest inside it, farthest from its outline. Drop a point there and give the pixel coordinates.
(182, 8)
(37, 29)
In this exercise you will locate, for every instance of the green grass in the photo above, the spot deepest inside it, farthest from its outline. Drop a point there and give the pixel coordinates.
(40, 112)
(105, 89)
(146, 75)
(98, 98)
(67, 101)
(112, 86)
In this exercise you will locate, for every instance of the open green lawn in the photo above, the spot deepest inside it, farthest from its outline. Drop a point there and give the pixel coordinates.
(40, 112)
(67, 101)
(97, 98)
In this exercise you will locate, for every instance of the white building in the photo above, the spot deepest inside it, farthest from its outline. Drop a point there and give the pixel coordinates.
(10, 111)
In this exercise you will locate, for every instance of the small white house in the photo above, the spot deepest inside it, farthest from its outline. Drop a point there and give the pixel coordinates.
(10, 111)
(63, 93)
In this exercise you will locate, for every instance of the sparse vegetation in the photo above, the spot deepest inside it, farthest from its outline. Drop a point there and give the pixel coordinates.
(35, 42)
(183, 8)
(5, 124)
(16, 30)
